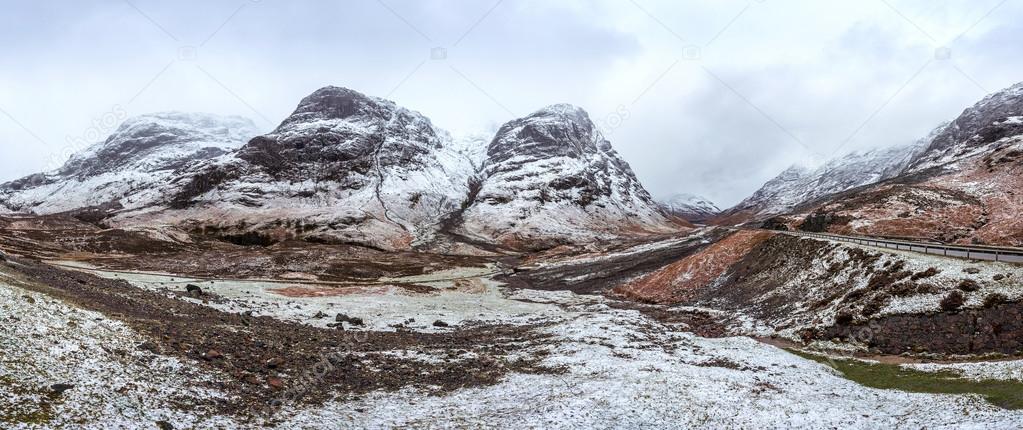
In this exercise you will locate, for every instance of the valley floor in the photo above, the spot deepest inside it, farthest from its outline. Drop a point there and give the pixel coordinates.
(450, 349)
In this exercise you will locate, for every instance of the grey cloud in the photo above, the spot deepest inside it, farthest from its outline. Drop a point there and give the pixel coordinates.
(818, 70)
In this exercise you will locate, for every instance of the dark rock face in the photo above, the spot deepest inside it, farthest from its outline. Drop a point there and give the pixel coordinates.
(337, 131)
(997, 328)
(983, 123)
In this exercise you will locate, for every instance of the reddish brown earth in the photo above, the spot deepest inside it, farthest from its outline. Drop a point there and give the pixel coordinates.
(977, 201)
(63, 237)
(680, 281)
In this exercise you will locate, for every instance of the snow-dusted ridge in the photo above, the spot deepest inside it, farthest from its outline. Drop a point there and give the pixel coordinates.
(129, 166)
(689, 206)
(799, 184)
(345, 167)
(551, 177)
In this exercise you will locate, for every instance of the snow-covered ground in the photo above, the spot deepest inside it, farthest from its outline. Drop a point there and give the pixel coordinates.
(627, 371)
(457, 296)
(624, 370)
(1009, 370)
(116, 385)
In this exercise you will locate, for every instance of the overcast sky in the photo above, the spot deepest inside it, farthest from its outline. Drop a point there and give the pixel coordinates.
(707, 97)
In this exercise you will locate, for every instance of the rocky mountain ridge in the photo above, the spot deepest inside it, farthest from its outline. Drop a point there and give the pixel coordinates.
(963, 188)
(353, 169)
(799, 184)
(552, 178)
(129, 167)
(689, 207)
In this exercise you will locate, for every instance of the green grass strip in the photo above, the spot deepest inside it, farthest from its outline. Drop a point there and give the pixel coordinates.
(1004, 394)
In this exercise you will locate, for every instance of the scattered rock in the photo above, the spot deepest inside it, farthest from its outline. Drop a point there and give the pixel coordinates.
(164, 425)
(342, 318)
(149, 346)
(213, 355)
(440, 323)
(275, 383)
(999, 277)
(30, 299)
(844, 318)
(193, 289)
(59, 389)
(971, 270)
(320, 315)
(274, 363)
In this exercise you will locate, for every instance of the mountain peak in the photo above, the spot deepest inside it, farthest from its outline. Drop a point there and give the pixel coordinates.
(984, 123)
(573, 112)
(339, 103)
(164, 135)
(689, 207)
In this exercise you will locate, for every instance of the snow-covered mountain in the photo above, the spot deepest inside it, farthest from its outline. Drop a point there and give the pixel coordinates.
(343, 168)
(349, 168)
(995, 117)
(128, 168)
(689, 207)
(799, 184)
(964, 187)
(550, 178)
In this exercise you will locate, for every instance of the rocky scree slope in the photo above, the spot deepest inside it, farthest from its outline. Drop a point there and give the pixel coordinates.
(551, 178)
(964, 188)
(128, 169)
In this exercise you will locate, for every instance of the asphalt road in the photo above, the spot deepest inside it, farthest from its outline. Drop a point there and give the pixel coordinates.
(984, 253)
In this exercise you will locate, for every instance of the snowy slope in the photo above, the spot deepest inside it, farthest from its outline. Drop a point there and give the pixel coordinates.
(344, 167)
(964, 188)
(142, 154)
(997, 116)
(689, 207)
(800, 184)
(551, 178)
(348, 168)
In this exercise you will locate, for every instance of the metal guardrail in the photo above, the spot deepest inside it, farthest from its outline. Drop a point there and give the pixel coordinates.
(980, 253)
